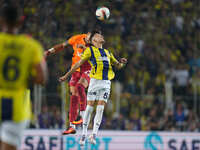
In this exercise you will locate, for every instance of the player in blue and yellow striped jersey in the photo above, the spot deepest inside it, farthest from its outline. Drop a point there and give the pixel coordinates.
(21, 58)
(101, 61)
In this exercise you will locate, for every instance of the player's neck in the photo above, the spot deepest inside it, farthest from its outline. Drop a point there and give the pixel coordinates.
(98, 45)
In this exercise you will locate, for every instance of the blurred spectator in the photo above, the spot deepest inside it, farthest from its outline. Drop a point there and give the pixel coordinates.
(118, 123)
(180, 117)
(45, 119)
(153, 120)
(181, 77)
(135, 121)
(169, 121)
(195, 81)
(57, 121)
(192, 122)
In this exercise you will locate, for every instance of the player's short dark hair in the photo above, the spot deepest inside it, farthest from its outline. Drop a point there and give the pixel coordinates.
(93, 32)
(10, 14)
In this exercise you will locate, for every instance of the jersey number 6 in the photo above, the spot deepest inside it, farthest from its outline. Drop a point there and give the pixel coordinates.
(11, 69)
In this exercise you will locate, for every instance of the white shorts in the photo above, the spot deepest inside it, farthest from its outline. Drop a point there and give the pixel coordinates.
(11, 132)
(98, 90)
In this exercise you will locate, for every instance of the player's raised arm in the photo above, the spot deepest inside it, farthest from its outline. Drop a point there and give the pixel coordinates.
(72, 70)
(59, 47)
(116, 63)
(55, 49)
(120, 64)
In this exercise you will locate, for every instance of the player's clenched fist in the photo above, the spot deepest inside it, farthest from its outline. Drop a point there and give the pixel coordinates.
(123, 60)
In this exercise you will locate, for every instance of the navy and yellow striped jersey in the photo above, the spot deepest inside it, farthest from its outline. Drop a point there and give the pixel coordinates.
(18, 56)
(101, 61)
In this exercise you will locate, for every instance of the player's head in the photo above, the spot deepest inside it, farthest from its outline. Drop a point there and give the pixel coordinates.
(9, 15)
(96, 37)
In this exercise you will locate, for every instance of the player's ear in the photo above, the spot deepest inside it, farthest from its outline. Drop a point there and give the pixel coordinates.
(93, 39)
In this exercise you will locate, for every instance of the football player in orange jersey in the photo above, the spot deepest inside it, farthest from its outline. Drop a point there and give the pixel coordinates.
(79, 79)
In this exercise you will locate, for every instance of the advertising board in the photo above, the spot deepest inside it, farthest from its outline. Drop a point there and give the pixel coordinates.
(111, 140)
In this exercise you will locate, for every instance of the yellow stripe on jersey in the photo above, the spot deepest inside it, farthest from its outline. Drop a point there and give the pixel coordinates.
(18, 55)
(101, 61)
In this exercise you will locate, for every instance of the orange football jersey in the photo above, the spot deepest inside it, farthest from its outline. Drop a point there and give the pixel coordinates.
(74, 41)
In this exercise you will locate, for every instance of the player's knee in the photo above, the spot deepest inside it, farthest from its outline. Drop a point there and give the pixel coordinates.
(73, 92)
(90, 103)
(101, 102)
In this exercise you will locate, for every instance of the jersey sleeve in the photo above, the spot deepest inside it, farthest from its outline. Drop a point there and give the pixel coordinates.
(113, 59)
(74, 38)
(86, 54)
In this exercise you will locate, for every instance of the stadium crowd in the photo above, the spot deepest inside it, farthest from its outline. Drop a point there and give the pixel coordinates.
(160, 38)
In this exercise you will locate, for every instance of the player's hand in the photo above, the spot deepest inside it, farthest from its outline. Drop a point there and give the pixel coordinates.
(123, 60)
(63, 78)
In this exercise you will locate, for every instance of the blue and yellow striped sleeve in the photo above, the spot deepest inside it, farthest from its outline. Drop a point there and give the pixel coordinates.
(113, 59)
(86, 54)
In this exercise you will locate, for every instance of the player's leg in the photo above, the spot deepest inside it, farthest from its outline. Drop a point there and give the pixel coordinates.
(80, 87)
(91, 97)
(11, 134)
(73, 104)
(104, 93)
(86, 121)
(97, 121)
(74, 101)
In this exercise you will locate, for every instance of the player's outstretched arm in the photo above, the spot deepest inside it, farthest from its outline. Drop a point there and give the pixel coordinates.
(119, 64)
(55, 49)
(72, 70)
